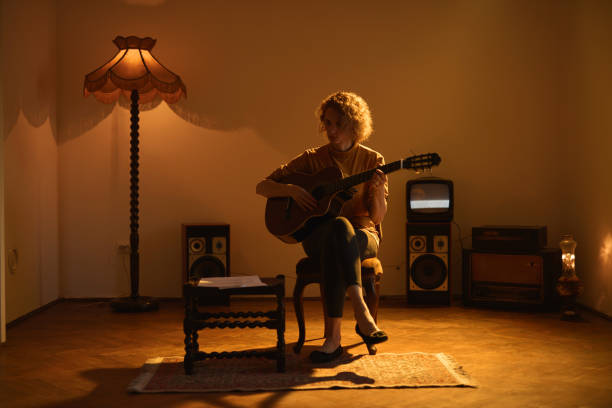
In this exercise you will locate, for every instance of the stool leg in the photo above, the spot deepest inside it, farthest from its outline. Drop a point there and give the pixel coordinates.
(187, 360)
(280, 331)
(190, 331)
(298, 304)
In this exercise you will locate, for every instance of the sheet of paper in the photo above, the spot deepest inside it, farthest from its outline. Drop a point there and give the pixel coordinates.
(246, 281)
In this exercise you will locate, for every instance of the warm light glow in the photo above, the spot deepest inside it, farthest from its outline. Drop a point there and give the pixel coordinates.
(568, 248)
(605, 252)
(420, 204)
(569, 261)
(134, 68)
(131, 66)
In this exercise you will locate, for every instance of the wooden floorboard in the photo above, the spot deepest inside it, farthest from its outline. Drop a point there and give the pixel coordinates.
(80, 354)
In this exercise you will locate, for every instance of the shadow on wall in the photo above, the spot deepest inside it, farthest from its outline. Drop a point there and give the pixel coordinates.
(28, 63)
(245, 64)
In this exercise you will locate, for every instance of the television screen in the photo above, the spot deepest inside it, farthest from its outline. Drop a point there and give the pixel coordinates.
(429, 198)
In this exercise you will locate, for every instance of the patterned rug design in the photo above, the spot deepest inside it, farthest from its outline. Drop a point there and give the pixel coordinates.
(409, 370)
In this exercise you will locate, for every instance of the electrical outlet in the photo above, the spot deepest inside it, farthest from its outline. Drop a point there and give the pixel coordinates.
(123, 247)
(13, 260)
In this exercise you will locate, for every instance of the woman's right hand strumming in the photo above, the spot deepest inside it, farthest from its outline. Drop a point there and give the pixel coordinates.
(270, 188)
(302, 197)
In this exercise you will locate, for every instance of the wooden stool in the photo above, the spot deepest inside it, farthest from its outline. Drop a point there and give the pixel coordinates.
(196, 320)
(308, 271)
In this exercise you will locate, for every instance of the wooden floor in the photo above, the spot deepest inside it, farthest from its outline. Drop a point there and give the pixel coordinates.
(78, 354)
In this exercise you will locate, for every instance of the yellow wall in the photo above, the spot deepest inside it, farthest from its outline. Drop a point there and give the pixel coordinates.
(475, 81)
(487, 84)
(30, 154)
(2, 221)
(586, 159)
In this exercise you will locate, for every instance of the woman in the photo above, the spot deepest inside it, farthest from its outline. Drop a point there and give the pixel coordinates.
(342, 242)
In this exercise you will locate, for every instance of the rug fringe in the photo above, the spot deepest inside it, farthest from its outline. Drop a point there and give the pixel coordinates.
(456, 370)
(147, 372)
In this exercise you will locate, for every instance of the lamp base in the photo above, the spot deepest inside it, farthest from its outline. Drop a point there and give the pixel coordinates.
(569, 309)
(570, 316)
(134, 304)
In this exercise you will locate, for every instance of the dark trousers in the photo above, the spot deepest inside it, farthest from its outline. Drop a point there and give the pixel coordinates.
(340, 249)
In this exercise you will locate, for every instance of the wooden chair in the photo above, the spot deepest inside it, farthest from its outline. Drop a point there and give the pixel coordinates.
(307, 272)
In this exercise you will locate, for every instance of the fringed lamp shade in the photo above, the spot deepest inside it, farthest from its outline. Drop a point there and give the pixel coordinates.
(134, 68)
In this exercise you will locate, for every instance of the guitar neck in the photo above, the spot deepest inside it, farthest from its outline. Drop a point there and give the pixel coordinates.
(355, 179)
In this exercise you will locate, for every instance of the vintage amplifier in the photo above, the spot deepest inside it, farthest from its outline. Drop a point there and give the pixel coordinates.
(511, 279)
(509, 238)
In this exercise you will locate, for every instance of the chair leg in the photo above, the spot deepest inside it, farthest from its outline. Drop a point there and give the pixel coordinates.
(327, 324)
(298, 303)
(371, 289)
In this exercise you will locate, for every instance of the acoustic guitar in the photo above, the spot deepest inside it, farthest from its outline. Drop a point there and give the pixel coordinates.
(291, 224)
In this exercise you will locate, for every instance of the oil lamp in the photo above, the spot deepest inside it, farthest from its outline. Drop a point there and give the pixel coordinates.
(569, 285)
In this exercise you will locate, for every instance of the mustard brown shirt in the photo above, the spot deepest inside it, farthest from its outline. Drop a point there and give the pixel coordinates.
(355, 160)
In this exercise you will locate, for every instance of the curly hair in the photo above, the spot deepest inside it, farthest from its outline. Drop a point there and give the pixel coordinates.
(353, 109)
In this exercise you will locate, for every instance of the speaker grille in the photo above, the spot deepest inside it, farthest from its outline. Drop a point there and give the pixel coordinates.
(207, 267)
(428, 272)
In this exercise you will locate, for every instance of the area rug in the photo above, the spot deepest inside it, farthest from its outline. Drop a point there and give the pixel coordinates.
(410, 370)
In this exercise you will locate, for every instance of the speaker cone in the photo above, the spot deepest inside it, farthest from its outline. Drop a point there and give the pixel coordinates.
(196, 245)
(417, 243)
(428, 271)
(206, 267)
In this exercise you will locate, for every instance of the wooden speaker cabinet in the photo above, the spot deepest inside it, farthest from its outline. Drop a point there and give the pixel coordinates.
(511, 279)
(428, 272)
(206, 253)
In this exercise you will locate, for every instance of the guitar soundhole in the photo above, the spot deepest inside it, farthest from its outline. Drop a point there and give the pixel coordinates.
(318, 192)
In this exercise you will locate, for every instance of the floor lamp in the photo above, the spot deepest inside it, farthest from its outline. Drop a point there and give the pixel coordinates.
(135, 73)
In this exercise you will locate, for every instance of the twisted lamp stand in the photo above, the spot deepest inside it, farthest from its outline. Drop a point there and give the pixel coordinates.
(134, 303)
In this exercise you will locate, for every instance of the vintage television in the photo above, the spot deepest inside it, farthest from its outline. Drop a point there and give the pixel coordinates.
(429, 199)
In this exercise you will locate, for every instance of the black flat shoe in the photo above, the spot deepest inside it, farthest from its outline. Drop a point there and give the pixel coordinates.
(322, 357)
(374, 338)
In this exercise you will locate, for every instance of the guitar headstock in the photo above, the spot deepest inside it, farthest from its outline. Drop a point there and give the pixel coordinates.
(421, 162)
